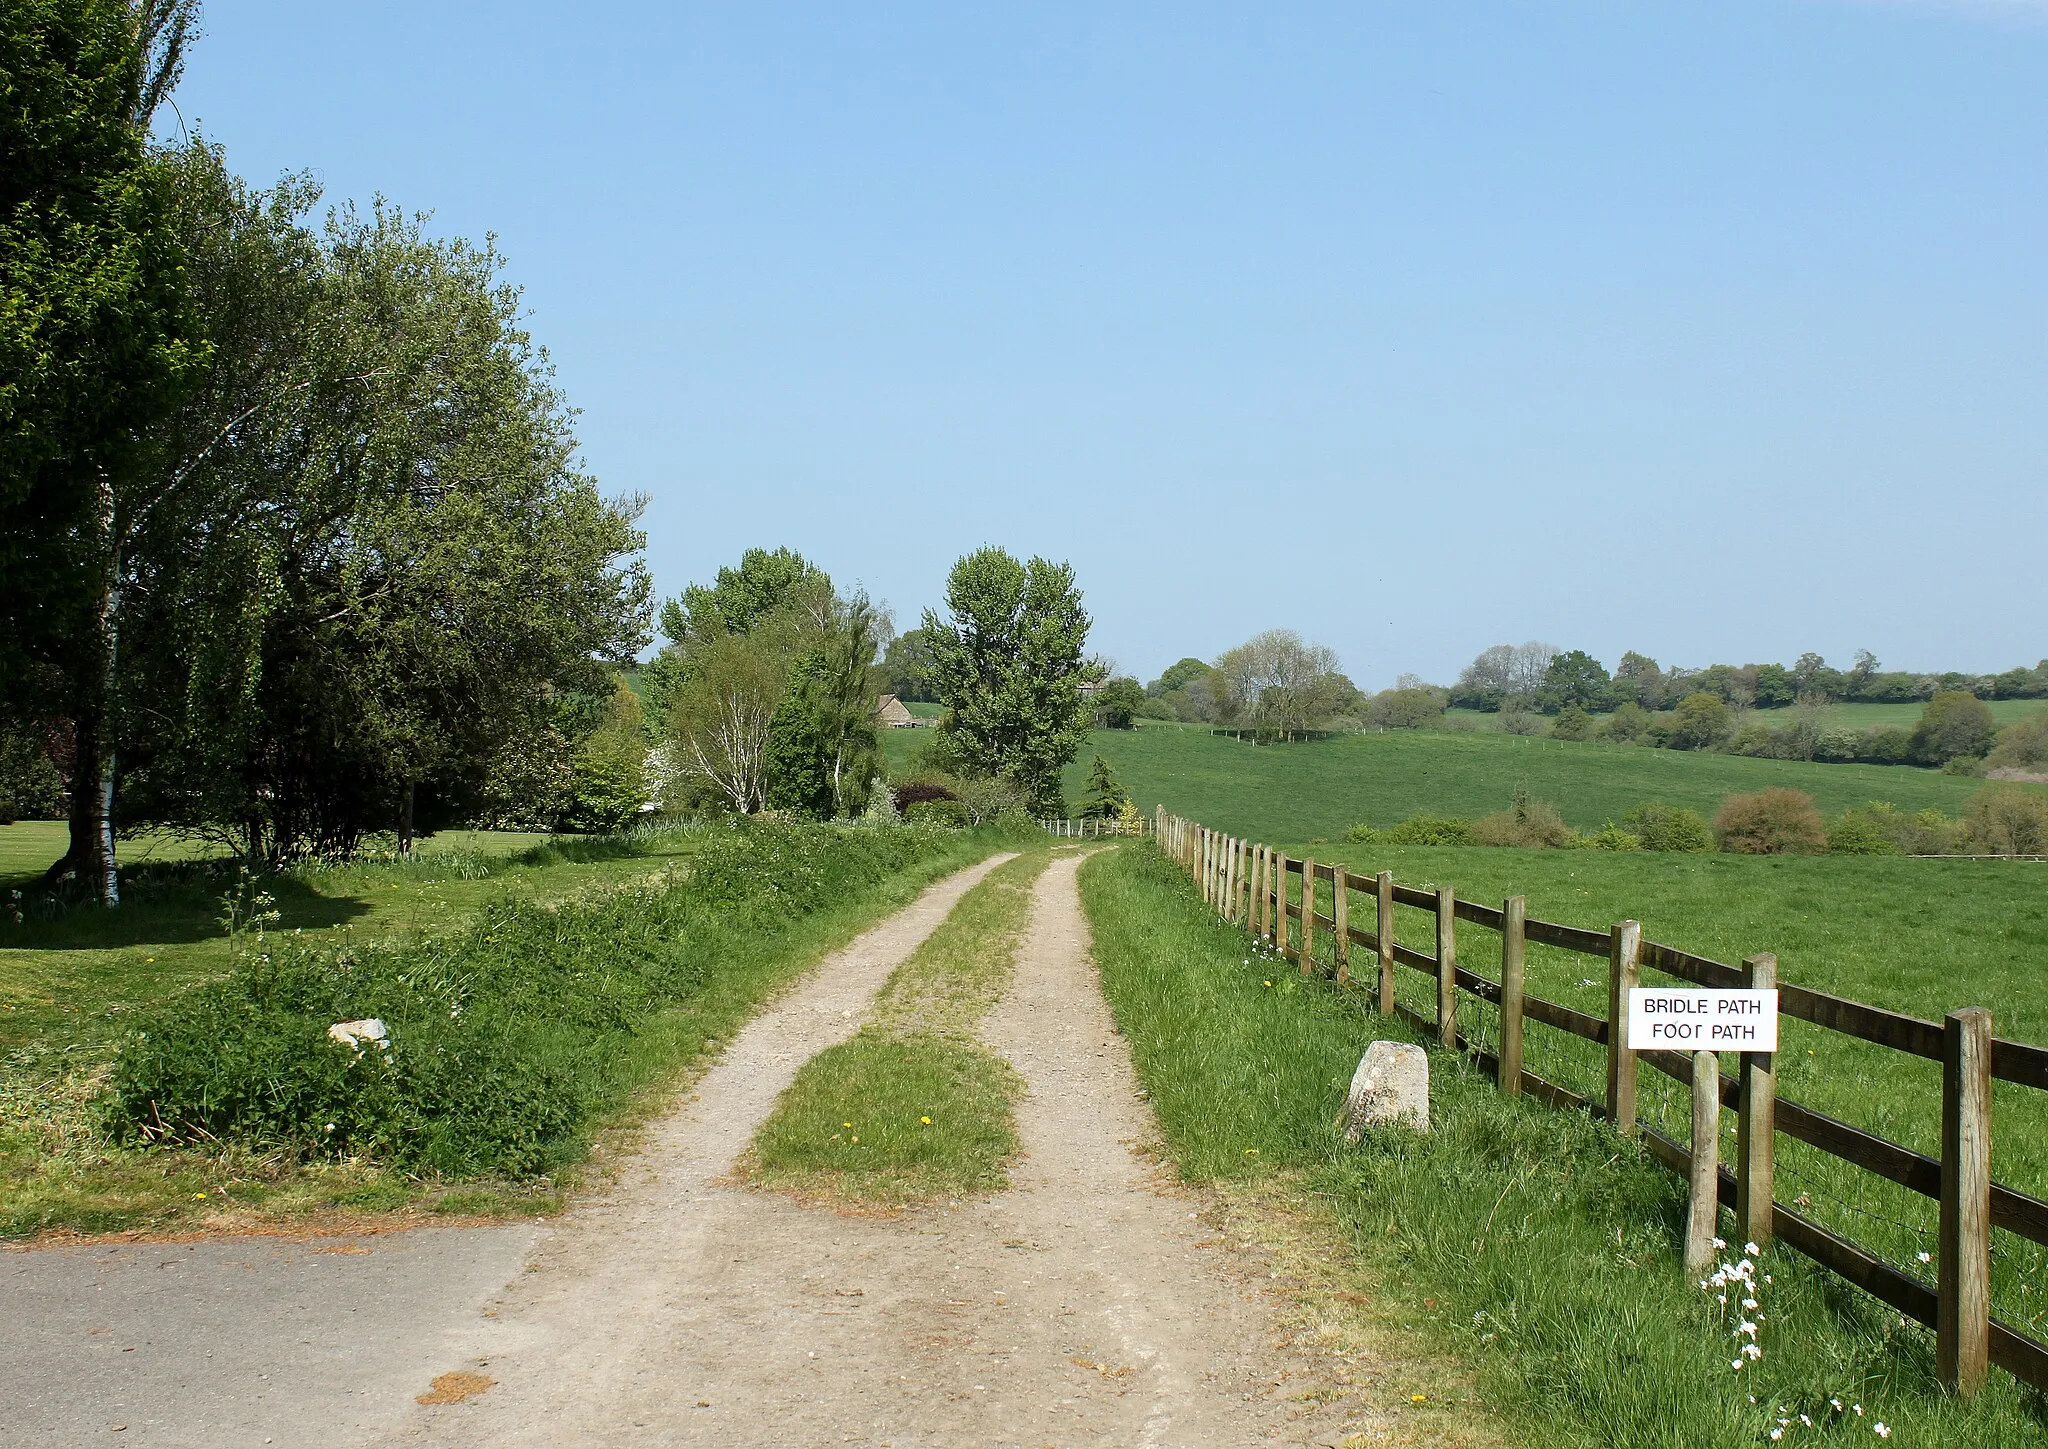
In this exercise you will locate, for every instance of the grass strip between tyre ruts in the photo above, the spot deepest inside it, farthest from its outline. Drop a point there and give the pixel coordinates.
(1536, 1245)
(913, 1107)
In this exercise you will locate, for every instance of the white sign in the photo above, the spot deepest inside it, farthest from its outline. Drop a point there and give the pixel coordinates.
(1688, 1018)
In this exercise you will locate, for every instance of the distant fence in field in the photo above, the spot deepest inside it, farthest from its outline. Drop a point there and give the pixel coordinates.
(1092, 827)
(1255, 885)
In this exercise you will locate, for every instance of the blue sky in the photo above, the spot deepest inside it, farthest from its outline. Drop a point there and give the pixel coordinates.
(1716, 331)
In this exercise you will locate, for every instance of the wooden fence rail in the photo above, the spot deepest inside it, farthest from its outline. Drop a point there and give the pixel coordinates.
(1249, 883)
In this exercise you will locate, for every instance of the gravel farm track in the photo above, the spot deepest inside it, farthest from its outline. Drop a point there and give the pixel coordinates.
(1088, 1304)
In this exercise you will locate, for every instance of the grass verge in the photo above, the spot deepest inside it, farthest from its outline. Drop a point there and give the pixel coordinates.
(613, 1060)
(1535, 1245)
(912, 1107)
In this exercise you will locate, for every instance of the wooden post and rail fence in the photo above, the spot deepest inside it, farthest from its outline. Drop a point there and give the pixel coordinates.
(1248, 883)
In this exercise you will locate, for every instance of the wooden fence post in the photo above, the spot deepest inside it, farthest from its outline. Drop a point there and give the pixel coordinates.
(1229, 878)
(1383, 932)
(1514, 918)
(1705, 1176)
(1280, 901)
(1340, 912)
(1756, 1131)
(1962, 1345)
(1447, 966)
(1624, 970)
(1308, 916)
(1208, 867)
(1255, 898)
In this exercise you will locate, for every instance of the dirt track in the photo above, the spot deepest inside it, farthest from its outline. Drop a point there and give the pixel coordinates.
(1076, 1308)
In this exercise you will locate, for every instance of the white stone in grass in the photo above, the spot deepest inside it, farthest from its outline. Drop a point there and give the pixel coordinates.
(1390, 1085)
(355, 1035)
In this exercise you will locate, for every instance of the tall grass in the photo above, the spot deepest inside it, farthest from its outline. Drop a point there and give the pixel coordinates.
(1538, 1244)
(507, 1035)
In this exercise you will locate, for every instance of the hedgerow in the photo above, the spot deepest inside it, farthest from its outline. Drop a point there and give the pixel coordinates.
(501, 1035)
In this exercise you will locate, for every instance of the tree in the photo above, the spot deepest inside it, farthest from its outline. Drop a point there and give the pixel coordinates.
(1405, 708)
(1702, 722)
(1117, 703)
(1954, 723)
(93, 350)
(906, 667)
(1638, 678)
(1487, 680)
(823, 750)
(1775, 687)
(1575, 678)
(1178, 676)
(1106, 797)
(1280, 682)
(359, 589)
(1007, 661)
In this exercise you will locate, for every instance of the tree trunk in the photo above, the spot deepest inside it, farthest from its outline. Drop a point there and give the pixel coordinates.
(405, 821)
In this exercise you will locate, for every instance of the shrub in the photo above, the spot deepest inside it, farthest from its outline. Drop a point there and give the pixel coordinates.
(1755, 739)
(1887, 745)
(1700, 723)
(1572, 723)
(1425, 829)
(505, 1035)
(1629, 724)
(1612, 837)
(1362, 834)
(1871, 829)
(1968, 766)
(983, 798)
(1770, 822)
(1669, 827)
(2007, 819)
(949, 812)
(916, 792)
(1954, 722)
(1526, 823)
(2021, 748)
(1404, 709)
(1838, 744)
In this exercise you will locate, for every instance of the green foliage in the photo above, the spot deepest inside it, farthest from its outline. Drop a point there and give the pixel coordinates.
(1527, 823)
(1611, 837)
(1868, 830)
(1572, 723)
(2008, 819)
(1007, 661)
(1426, 829)
(1117, 704)
(950, 814)
(1701, 722)
(503, 1033)
(368, 564)
(1771, 822)
(1106, 797)
(2022, 746)
(1575, 678)
(1405, 709)
(30, 786)
(1954, 723)
(1668, 827)
(609, 777)
(1629, 724)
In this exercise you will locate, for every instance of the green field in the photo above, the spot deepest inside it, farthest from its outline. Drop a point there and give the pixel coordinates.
(1536, 1243)
(1302, 791)
(1833, 716)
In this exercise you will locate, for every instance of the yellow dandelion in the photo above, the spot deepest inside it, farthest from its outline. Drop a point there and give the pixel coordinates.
(199, 1194)
(1418, 1398)
(926, 1120)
